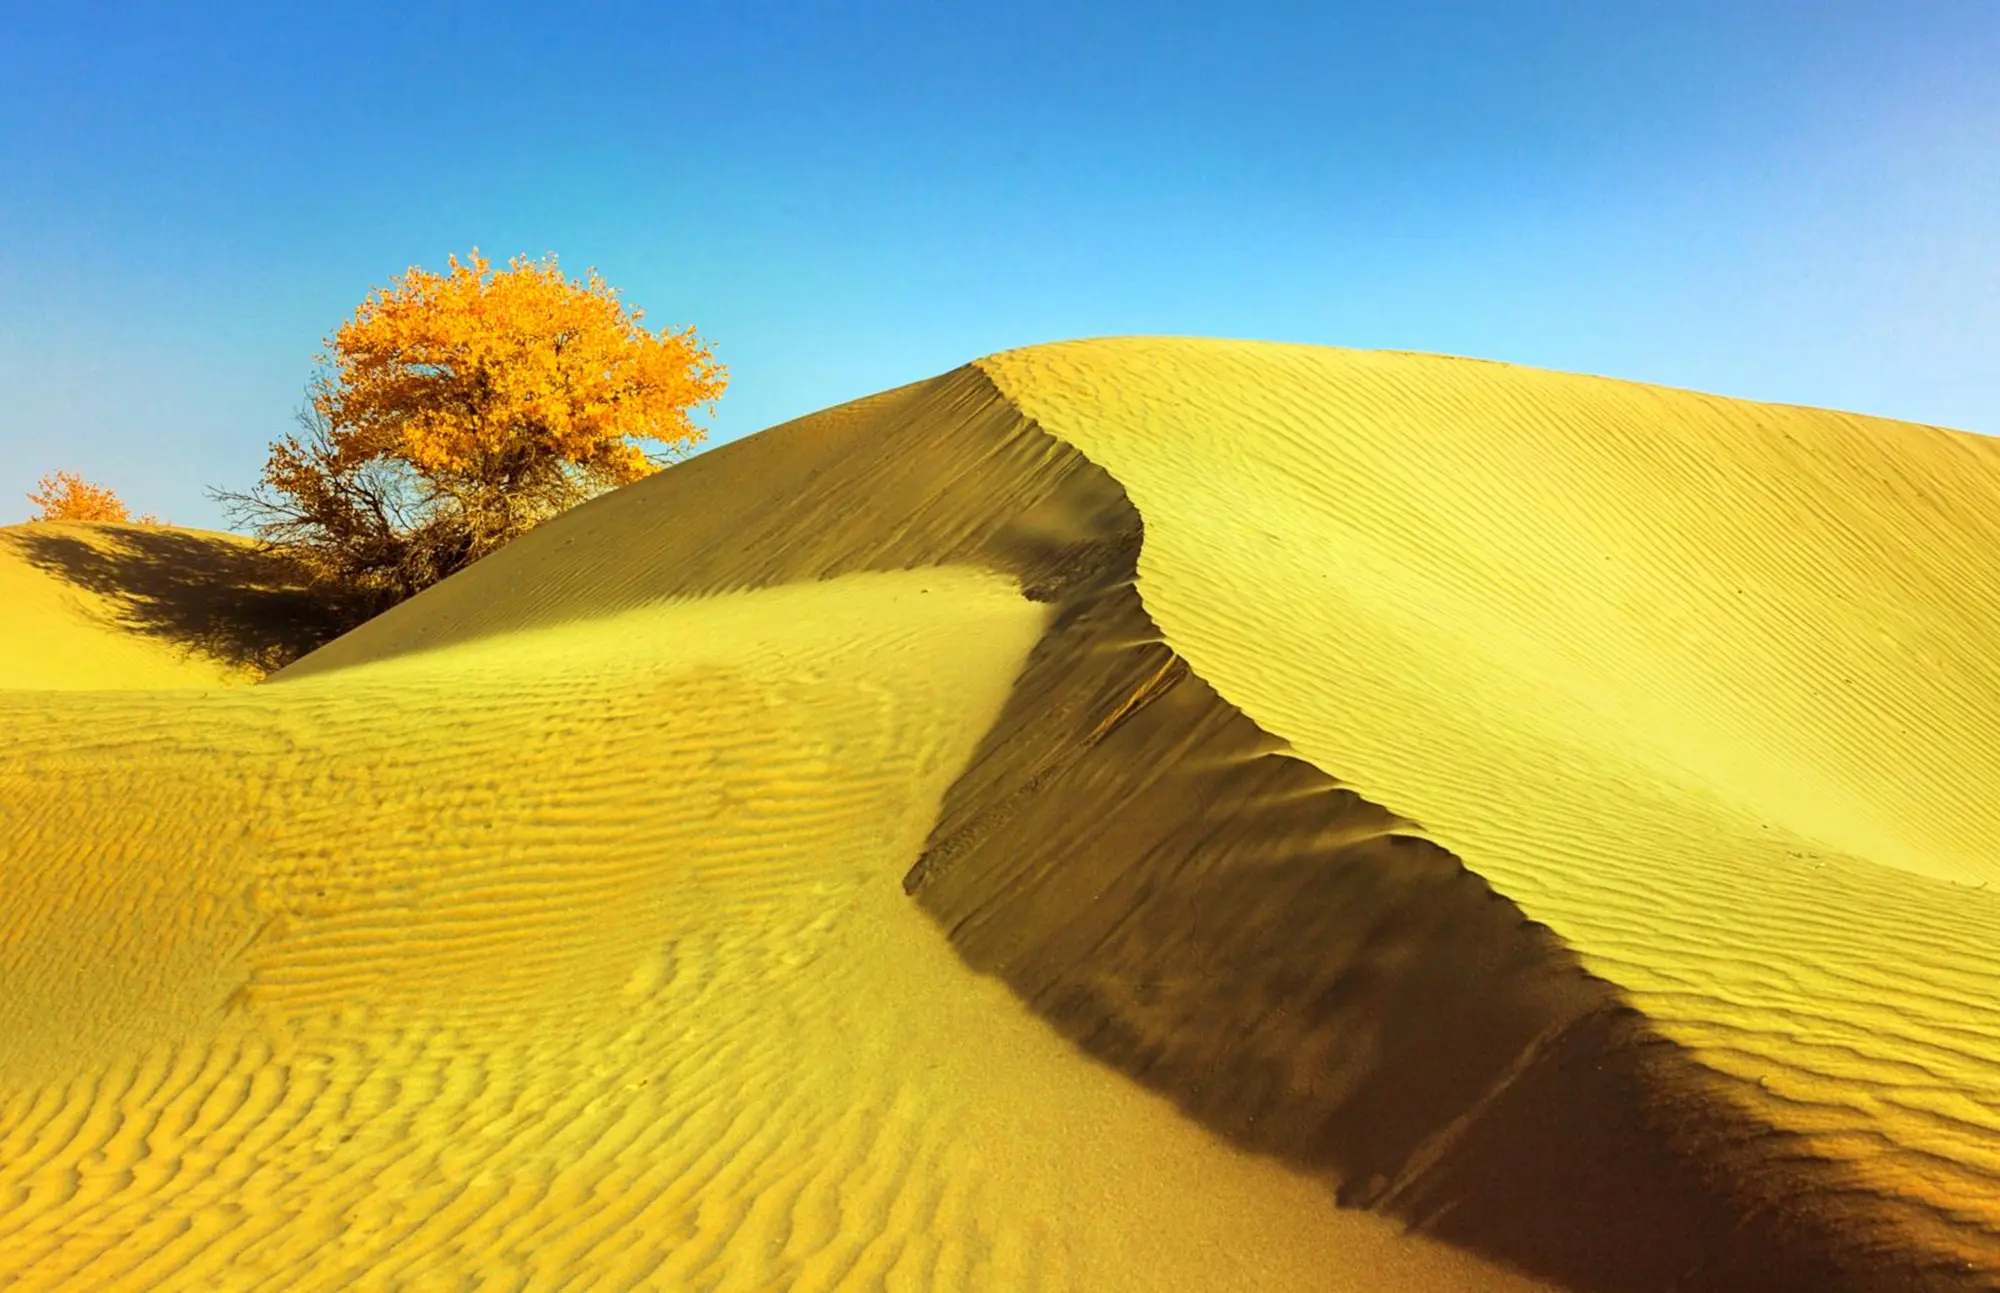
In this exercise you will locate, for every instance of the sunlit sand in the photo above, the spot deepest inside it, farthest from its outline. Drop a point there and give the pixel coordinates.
(1133, 814)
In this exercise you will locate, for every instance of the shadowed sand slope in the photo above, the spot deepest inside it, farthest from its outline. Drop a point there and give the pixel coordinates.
(1368, 758)
(575, 958)
(1697, 1038)
(101, 605)
(1706, 687)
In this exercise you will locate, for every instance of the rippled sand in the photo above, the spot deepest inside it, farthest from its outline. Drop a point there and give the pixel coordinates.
(1142, 813)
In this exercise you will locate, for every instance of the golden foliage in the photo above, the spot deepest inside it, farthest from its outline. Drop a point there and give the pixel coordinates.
(66, 496)
(467, 375)
(456, 411)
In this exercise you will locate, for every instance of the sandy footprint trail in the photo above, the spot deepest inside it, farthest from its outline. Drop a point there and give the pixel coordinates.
(1426, 774)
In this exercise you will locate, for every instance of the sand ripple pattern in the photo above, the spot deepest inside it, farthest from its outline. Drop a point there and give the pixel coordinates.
(573, 957)
(1706, 686)
(480, 996)
(1506, 801)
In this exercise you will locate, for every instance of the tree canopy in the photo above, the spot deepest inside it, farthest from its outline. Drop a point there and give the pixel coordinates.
(453, 412)
(67, 496)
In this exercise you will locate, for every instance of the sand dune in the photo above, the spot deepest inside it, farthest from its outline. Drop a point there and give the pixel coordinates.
(1065, 824)
(142, 607)
(1706, 687)
(572, 957)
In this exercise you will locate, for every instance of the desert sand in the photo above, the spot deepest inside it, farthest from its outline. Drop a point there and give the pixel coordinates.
(110, 606)
(63, 624)
(1136, 813)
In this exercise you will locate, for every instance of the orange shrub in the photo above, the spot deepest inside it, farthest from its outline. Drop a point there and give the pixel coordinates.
(66, 496)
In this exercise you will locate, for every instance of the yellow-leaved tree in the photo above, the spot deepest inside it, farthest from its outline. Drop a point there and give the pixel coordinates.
(66, 496)
(453, 412)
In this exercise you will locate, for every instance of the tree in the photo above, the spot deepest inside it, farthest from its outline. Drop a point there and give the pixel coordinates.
(454, 412)
(66, 496)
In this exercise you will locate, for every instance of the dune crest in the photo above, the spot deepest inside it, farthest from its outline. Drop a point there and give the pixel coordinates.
(1705, 686)
(954, 469)
(1371, 755)
(576, 955)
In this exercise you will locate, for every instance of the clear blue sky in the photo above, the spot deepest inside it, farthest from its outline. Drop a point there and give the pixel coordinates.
(1791, 202)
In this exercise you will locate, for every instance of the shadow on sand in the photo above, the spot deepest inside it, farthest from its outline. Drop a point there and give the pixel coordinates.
(211, 595)
(1297, 968)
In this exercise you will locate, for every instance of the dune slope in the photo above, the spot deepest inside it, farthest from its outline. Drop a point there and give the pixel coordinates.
(576, 955)
(1752, 1055)
(1428, 775)
(1705, 687)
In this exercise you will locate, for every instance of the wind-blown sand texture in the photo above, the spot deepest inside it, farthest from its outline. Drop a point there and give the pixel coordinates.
(1547, 813)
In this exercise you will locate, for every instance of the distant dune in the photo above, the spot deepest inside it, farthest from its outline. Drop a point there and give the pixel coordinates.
(1140, 813)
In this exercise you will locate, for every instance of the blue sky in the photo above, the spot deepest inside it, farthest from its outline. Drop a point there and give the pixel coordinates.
(1792, 202)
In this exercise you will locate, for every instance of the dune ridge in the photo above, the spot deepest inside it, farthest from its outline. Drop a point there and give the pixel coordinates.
(1701, 684)
(574, 956)
(574, 952)
(951, 472)
(1264, 796)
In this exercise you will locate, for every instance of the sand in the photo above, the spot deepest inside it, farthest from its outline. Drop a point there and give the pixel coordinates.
(576, 958)
(1707, 687)
(112, 606)
(1140, 813)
